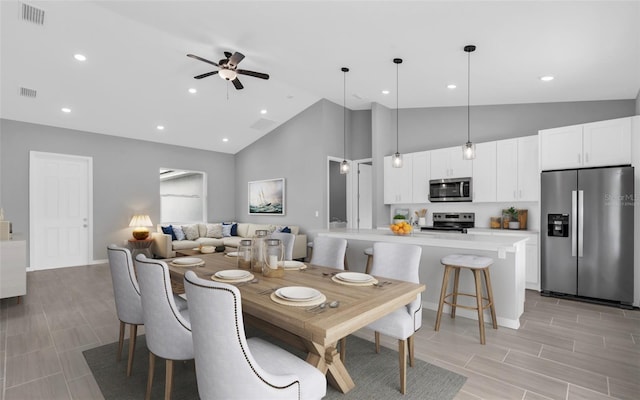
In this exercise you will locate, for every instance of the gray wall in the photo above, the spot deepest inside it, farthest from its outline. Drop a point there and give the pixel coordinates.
(359, 146)
(125, 176)
(297, 151)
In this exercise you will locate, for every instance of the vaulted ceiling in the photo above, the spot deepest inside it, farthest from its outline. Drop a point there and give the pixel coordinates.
(136, 75)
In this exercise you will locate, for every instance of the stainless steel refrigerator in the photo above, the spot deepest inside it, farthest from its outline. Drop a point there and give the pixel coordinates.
(587, 233)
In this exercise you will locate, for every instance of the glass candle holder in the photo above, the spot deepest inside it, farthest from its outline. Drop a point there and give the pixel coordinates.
(257, 249)
(244, 254)
(273, 256)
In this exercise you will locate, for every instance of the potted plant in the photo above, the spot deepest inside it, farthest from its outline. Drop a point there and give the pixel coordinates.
(398, 218)
(514, 223)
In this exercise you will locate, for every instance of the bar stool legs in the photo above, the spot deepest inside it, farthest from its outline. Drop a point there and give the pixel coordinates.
(479, 266)
(369, 253)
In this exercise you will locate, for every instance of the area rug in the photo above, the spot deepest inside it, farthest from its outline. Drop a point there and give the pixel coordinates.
(376, 375)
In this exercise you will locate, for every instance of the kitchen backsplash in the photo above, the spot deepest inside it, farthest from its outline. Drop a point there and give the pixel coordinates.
(483, 211)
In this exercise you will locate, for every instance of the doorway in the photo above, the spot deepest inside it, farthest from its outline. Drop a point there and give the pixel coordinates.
(60, 210)
(350, 196)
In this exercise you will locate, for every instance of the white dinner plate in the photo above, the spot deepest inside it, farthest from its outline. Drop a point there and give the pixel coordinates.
(187, 260)
(297, 293)
(232, 274)
(232, 254)
(356, 277)
(291, 264)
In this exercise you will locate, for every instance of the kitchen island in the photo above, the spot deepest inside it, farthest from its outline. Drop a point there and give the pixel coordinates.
(507, 272)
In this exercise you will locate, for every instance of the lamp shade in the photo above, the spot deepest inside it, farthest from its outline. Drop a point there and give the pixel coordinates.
(140, 224)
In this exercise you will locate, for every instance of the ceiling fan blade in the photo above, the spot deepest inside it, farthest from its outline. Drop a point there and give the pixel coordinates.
(235, 59)
(202, 59)
(227, 54)
(205, 75)
(252, 73)
(236, 82)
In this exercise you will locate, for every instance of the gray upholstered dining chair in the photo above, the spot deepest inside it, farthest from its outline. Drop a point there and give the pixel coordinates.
(287, 240)
(126, 294)
(329, 252)
(401, 262)
(167, 329)
(230, 366)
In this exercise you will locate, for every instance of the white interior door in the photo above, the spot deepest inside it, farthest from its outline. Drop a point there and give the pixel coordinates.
(60, 210)
(365, 197)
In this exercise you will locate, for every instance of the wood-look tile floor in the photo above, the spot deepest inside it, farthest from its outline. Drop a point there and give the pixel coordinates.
(563, 350)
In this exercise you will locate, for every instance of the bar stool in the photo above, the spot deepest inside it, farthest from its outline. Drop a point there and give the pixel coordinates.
(369, 253)
(479, 266)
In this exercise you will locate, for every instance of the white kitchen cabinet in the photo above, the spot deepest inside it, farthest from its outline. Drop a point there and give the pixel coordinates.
(398, 181)
(594, 144)
(13, 268)
(448, 163)
(421, 174)
(517, 169)
(484, 172)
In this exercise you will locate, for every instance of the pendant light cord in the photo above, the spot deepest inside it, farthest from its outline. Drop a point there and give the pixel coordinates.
(344, 113)
(397, 110)
(468, 97)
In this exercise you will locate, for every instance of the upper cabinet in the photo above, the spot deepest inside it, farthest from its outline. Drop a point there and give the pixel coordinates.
(398, 182)
(448, 163)
(421, 175)
(588, 145)
(517, 169)
(484, 172)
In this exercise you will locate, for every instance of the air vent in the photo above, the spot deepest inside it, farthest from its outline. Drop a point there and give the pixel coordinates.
(263, 124)
(27, 92)
(32, 14)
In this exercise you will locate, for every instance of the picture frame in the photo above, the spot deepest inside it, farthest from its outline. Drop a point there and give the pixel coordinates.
(266, 197)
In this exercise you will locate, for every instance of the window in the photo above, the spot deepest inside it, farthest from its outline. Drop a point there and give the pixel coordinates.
(183, 196)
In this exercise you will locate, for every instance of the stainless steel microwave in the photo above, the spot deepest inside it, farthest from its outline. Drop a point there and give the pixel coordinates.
(454, 189)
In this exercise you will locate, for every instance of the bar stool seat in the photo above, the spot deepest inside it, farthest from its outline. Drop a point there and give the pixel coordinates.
(369, 253)
(479, 265)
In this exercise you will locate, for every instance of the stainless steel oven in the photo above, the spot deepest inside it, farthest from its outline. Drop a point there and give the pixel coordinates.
(454, 189)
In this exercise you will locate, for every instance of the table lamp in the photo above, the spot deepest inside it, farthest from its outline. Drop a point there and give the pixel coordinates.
(140, 224)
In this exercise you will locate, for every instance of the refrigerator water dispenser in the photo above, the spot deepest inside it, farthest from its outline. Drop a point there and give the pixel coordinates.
(558, 225)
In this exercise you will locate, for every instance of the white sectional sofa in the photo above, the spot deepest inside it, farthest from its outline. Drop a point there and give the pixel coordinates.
(208, 234)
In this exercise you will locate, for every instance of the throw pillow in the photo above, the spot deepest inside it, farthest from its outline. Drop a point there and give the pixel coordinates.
(286, 229)
(191, 231)
(234, 230)
(214, 231)
(226, 230)
(168, 230)
(177, 230)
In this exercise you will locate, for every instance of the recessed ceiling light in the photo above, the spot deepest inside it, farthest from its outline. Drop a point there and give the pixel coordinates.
(263, 112)
(193, 90)
(65, 110)
(80, 57)
(451, 86)
(546, 78)
(385, 92)
(160, 127)
(225, 139)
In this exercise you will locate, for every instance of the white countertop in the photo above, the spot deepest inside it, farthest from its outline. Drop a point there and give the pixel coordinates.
(499, 243)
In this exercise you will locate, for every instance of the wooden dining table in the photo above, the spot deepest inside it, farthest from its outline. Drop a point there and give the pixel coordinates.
(317, 333)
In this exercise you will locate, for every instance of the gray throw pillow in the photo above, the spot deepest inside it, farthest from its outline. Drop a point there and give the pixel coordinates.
(214, 231)
(177, 230)
(191, 231)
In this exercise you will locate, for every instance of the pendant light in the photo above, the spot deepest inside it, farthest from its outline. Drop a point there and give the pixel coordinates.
(469, 149)
(344, 165)
(396, 159)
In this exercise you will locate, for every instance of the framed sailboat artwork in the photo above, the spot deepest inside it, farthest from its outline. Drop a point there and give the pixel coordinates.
(266, 197)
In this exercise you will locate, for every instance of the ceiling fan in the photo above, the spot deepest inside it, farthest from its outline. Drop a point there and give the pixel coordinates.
(228, 69)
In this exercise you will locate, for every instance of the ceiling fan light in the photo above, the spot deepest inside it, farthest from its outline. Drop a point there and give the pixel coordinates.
(468, 151)
(227, 74)
(344, 167)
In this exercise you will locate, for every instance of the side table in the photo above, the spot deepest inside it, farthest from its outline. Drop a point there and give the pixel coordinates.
(140, 246)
